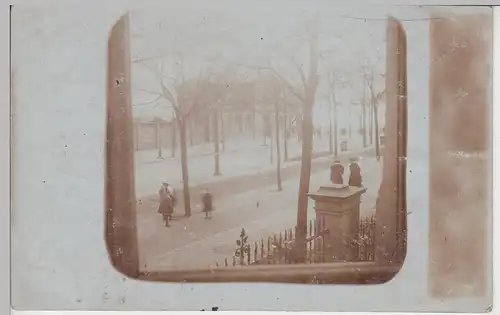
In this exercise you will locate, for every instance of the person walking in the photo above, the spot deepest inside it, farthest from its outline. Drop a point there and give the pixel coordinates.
(337, 172)
(355, 177)
(166, 207)
(207, 203)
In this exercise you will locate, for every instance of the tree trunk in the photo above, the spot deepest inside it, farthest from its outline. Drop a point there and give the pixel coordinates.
(363, 121)
(253, 124)
(278, 153)
(206, 134)
(271, 141)
(330, 129)
(216, 143)
(349, 130)
(184, 167)
(285, 134)
(305, 178)
(158, 140)
(136, 130)
(191, 138)
(375, 123)
(360, 122)
(222, 131)
(335, 130)
(307, 147)
(173, 142)
(264, 129)
(370, 121)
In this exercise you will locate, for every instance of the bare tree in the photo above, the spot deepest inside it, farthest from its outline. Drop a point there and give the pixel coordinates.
(375, 96)
(277, 137)
(173, 132)
(183, 95)
(216, 130)
(218, 98)
(272, 92)
(159, 144)
(335, 80)
(364, 104)
(306, 93)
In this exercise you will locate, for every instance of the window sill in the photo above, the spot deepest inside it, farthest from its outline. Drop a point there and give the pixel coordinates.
(334, 273)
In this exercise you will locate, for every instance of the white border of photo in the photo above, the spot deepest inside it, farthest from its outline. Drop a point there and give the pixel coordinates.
(76, 273)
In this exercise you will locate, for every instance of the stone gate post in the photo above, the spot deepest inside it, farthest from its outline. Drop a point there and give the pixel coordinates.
(337, 206)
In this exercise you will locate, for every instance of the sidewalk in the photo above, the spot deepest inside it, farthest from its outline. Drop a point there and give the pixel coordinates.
(194, 151)
(197, 242)
(239, 159)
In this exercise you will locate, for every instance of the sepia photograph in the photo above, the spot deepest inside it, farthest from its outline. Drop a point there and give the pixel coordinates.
(225, 155)
(255, 143)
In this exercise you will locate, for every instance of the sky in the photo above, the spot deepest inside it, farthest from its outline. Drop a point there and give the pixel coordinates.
(220, 36)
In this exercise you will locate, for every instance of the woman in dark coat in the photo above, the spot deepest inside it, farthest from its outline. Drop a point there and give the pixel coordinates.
(166, 207)
(337, 173)
(355, 178)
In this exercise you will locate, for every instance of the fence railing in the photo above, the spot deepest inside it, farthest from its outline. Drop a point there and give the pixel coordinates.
(365, 241)
(279, 248)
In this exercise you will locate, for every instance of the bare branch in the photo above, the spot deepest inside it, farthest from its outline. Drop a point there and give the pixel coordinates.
(168, 95)
(151, 92)
(290, 87)
(300, 70)
(379, 96)
(149, 102)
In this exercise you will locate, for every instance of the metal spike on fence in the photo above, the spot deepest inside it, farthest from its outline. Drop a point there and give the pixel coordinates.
(225, 262)
(268, 245)
(322, 245)
(310, 228)
(261, 248)
(256, 246)
(281, 240)
(249, 258)
(234, 261)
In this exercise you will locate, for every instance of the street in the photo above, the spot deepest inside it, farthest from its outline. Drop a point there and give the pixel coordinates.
(262, 211)
(242, 157)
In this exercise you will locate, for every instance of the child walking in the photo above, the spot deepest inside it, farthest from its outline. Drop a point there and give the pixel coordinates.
(207, 203)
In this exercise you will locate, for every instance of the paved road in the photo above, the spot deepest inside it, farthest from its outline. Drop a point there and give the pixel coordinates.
(240, 184)
(239, 159)
(197, 242)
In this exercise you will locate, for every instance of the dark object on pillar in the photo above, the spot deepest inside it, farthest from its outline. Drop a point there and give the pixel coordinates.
(355, 178)
(337, 173)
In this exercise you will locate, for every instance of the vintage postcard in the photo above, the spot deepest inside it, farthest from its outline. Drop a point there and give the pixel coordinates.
(211, 144)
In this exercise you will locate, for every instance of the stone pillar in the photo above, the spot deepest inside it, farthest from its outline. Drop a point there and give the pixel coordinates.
(337, 209)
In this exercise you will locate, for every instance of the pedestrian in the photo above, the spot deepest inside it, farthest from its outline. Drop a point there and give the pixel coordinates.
(166, 207)
(207, 203)
(172, 194)
(355, 178)
(337, 172)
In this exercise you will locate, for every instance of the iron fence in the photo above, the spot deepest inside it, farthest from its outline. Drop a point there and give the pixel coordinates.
(279, 248)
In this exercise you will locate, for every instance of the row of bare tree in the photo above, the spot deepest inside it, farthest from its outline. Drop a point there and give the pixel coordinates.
(272, 94)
